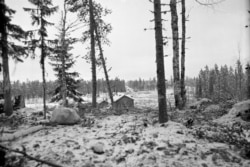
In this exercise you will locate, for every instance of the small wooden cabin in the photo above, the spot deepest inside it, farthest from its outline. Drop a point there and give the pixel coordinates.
(123, 103)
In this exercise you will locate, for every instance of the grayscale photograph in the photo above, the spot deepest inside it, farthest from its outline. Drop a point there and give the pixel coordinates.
(124, 83)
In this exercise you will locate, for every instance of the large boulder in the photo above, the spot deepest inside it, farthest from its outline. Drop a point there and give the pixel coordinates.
(65, 116)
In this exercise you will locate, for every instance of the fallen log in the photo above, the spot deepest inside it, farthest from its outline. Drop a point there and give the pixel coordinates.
(21, 133)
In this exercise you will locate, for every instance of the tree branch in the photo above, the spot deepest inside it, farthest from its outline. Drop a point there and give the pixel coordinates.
(209, 2)
(30, 157)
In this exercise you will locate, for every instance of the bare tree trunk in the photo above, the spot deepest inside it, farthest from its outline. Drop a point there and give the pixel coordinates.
(161, 87)
(42, 60)
(8, 109)
(176, 69)
(183, 45)
(93, 59)
(240, 87)
(248, 80)
(44, 88)
(104, 65)
(64, 84)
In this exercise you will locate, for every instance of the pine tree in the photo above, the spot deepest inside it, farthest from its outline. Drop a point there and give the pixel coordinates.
(176, 68)
(217, 87)
(239, 79)
(224, 82)
(104, 29)
(248, 80)
(63, 61)
(90, 13)
(198, 87)
(44, 8)
(206, 82)
(161, 87)
(92, 53)
(211, 83)
(231, 83)
(9, 48)
(72, 83)
(183, 53)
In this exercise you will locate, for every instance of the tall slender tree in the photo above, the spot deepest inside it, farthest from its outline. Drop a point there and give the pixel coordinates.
(9, 48)
(161, 88)
(248, 71)
(104, 64)
(44, 8)
(4, 48)
(176, 66)
(63, 52)
(92, 53)
(248, 80)
(239, 79)
(183, 53)
(91, 13)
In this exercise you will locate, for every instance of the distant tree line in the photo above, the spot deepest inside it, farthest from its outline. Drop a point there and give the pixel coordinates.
(222, 83)
(117, 85)
(34, 89)
(141, 84)
(151, 84)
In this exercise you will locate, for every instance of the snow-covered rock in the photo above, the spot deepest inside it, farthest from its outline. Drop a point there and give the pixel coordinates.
(241, 109)
(200, 103)
(65, 116)
(98, 148)
(212, 108)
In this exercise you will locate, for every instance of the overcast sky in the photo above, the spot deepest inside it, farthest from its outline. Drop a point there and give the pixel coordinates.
(218, 35)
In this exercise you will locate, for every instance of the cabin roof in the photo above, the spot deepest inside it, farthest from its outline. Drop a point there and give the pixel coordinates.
(117, 98)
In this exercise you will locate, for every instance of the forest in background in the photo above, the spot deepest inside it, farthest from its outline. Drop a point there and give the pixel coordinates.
(34, 89)
(218, 83)
(223, 83)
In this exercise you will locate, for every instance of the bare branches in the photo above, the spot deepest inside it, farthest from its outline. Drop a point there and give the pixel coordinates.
(209, 2)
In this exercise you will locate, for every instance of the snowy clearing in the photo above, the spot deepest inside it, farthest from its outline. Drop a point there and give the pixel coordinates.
(132, 139)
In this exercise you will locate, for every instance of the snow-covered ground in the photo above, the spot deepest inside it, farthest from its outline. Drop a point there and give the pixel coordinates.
(133, 139)
(126, 141)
